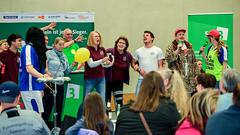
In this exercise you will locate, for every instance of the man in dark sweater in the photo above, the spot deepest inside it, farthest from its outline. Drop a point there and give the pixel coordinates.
(10, 59)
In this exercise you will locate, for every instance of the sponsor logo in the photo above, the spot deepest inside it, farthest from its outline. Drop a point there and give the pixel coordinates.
(223, 32)
(54, 16)
(41, 17)
(10, 17)
(5, 91)
(82, 17)
(69, 17)
(27, 17)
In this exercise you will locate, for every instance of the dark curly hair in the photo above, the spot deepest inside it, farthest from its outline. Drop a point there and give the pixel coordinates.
(35, 37)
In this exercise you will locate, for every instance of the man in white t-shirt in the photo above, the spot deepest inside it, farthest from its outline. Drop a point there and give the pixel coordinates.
(147, 58)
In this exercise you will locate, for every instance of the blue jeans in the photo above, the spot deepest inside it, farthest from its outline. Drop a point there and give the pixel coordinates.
(138, 86)
(99, 84)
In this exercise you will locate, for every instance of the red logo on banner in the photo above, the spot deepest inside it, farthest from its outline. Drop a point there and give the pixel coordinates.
(41, 17)
(82, 17)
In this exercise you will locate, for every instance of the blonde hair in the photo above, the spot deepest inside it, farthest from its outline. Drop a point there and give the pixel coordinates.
(3, 41)
(90, 39)
(176, 89)
(57, 39)
(201, 106)
(152, 87)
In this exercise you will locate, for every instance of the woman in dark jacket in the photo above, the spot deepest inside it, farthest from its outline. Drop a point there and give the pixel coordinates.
(159, 111)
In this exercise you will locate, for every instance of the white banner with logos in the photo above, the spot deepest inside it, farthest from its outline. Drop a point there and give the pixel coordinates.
(46, 17)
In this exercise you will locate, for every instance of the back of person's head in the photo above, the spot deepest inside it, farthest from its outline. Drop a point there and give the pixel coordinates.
(94, 114)
(201, 106)
(151, 89)
(236, 95)
(206, 80)
(12, 38)
(175, 88)
(212, 81)
(230, 79)
(231, 83)
(8, 92)
(35, 36)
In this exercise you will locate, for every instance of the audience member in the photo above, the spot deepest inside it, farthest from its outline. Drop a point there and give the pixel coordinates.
(147, 58)
(227, 122)
(201, 106)
(16, 121)
(159, 111)
(10, 59)
(205, 80)
(229, 81)
(175, 88)
(94, 117)
(200, 67)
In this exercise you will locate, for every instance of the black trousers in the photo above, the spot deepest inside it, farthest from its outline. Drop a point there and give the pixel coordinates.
(48, 104)
(117, 89)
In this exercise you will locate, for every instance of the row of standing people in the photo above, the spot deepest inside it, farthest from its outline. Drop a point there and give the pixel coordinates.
(145, 59)
(179, 56)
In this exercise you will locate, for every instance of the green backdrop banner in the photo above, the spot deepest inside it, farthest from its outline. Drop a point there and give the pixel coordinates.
(200, 24)
(81, 23)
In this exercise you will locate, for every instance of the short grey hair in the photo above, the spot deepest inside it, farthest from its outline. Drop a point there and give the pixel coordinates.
(231, 78)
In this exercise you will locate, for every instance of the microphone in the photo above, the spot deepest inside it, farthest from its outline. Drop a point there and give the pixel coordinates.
(204, 45)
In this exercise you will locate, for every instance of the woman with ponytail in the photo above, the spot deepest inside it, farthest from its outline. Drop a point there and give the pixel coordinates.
(175, 89)
(216, 57)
